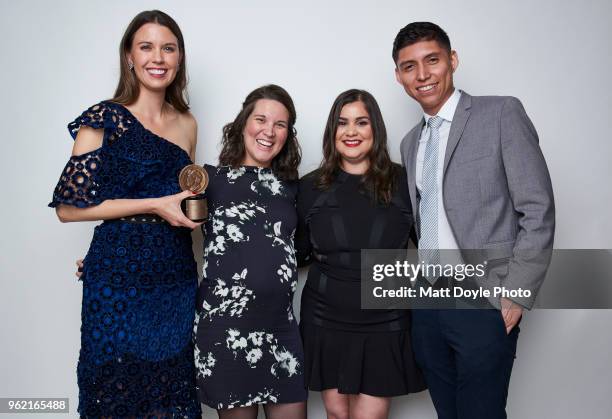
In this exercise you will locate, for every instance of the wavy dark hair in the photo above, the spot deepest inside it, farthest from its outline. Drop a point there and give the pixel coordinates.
(379, 178)
(128, 87)
(286, 162)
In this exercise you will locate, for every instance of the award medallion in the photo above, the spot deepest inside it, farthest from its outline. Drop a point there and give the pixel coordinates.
(195, 179)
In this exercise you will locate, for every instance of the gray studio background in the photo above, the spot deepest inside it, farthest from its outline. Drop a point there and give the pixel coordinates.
(60, 57)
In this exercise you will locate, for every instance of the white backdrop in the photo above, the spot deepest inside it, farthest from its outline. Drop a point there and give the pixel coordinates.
(60, 57)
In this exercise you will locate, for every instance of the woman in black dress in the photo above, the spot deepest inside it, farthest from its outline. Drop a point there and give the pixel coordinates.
(248, 348)
(357, 199)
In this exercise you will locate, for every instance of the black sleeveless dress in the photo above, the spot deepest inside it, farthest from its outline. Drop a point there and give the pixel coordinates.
(248, 349)
(345, 347)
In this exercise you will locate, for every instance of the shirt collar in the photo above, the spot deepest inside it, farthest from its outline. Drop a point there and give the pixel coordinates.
(448, 109)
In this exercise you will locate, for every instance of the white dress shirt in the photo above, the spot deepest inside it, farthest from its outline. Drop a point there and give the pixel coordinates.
(446, 238)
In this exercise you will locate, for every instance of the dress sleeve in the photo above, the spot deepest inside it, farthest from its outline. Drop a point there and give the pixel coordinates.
(98, 116)
(303, 247)
(401, 199)
(80, 183)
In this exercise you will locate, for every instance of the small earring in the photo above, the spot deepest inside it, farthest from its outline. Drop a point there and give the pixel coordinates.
(130, 65)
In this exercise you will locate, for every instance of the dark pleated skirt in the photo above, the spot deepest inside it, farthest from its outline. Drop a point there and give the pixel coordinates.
(375, 363)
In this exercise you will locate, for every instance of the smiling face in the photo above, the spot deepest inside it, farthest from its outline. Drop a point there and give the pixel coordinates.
(425, 69)
(354, 138)
(155, 55)
(265, 132)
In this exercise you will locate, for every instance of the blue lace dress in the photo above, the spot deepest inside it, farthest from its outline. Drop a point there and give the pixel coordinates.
(248, 346)
(139, 279)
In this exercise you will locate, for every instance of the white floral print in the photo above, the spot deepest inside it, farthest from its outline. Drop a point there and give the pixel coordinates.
(256, 338)
(231, 299)
(229, 232)
(234, 233)
(253, 356)
(286, 363)
(286, 270)
(267, 180)
(234, 174)
(265, 396)
(252, 348)
(216, 246)
(204, 363)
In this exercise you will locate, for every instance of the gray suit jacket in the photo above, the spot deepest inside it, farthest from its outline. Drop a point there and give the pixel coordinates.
(497, 191)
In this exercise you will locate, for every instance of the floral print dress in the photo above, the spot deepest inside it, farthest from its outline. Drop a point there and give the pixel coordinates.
(248, 348)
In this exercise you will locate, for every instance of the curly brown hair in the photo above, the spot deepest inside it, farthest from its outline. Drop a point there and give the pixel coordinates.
(379, 178)
(285, 163)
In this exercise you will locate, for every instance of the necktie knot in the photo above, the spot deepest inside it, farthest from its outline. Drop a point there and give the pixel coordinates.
(435, 122)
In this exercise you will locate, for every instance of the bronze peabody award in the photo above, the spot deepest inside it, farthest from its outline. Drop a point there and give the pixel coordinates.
(195, 179)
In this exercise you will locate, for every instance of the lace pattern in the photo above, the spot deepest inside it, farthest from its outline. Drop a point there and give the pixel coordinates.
(140, 280)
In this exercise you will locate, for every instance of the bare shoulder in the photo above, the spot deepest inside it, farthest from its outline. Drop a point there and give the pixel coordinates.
(188, 119)
(189, 127)
(88, 139)
(188, 124)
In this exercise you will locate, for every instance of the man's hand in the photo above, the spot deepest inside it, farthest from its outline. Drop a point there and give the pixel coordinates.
(511, 313)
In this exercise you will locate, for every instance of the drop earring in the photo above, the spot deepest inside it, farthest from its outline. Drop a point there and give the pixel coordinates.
(130, 65)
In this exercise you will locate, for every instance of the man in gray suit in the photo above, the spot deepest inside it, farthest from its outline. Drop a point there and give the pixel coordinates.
(477, 180)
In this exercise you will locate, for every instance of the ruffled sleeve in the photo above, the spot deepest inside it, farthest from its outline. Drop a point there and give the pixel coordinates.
(81, 183)
(97, 117)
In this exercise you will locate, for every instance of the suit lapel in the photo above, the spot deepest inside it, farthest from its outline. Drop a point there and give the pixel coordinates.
(462, 114)
(411, 153)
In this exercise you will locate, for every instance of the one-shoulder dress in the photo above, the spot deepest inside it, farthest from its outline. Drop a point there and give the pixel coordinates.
(248, 345)
(139, 278)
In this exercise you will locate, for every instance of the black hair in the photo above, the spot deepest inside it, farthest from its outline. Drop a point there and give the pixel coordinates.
(419, 31)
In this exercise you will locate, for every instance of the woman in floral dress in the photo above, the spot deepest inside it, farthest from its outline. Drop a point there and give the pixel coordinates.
(248, 347)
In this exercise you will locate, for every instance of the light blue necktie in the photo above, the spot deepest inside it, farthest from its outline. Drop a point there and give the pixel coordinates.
(428, 210)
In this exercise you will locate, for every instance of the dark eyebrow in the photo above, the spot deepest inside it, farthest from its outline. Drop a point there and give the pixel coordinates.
(359, 118)
(430, 55)
(166, 44)
(403, 63)
(264, 117)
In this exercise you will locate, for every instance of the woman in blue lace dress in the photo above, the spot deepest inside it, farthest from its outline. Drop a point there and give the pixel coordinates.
(248, 346)
(139, 278)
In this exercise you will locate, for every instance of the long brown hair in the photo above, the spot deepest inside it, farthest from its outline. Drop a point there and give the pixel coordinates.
(378, 179)
(128, 86)
(285, 163)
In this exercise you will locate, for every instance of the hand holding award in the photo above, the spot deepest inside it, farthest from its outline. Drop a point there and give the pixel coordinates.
(195, 179)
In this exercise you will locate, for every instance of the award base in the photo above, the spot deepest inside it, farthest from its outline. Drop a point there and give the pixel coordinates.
(195, 208)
